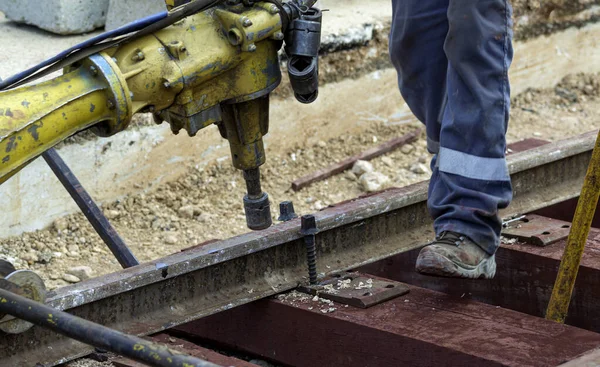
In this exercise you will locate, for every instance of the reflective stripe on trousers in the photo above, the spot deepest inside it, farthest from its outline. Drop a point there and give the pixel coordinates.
(452, 58)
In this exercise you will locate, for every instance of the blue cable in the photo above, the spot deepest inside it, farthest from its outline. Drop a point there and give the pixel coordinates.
(128, 28)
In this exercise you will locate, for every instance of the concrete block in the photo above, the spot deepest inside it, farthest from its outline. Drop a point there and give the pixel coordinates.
(58, 16)
(121, 12)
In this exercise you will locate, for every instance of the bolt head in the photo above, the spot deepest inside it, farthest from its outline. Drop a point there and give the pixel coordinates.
(246, 22)
(279, 36)
(167, 85)
(273, 9)
(252, 48)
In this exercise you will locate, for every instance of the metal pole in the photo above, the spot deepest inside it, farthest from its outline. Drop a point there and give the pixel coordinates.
(580, 229)
(89, 208)
(99, 336)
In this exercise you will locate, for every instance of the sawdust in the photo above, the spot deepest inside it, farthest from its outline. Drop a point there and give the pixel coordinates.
(206, 204)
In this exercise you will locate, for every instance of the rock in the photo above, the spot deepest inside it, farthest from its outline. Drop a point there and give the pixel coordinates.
(373, 181)
(186, 211)
(319, 205)
(407, 148)
(170, 239)
(322, 144)
(423, 159)
(203, 218)
(362, 167)
(61, 224)
(73, 248)
(419, 168)
(45, 257)
(350, 176)
(58, 16)
(112, 214)
(589, 90)
(81, 272)
(70, 278)
(566, 94)
(121, 12)
(388, 161)
(30, 257)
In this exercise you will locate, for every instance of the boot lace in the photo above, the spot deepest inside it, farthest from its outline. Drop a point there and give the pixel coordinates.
(450, 238)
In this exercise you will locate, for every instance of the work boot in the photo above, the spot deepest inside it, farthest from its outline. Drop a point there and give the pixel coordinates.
(454, 255)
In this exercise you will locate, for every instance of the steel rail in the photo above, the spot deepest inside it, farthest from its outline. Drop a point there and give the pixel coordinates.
(186, 286)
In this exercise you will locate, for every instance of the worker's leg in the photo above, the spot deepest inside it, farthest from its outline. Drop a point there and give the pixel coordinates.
(470, 182)
(419, 30)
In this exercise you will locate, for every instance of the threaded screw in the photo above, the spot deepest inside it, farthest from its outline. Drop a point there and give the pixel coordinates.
(308, 229)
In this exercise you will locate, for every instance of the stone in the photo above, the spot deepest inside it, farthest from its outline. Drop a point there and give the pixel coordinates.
(362, 167)
(73, 248)
(45, 257)
(61, 224)
(70, 278)
(112, 214)
(186, 211)
(350, 176)
(419, 168)
(203, 218)
(81, 272)
(319, 205)
(170, 239)
(424, 159)
(388, 161)
(30, 257)
(373, 181)
(322, 144)
(121, 12)
(407, 148)
(58, 16)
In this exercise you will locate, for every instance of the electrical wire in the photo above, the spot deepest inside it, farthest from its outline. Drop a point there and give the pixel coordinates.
(126, 33)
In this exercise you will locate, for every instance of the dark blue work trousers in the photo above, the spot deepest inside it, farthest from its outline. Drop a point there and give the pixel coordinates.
(452, 58)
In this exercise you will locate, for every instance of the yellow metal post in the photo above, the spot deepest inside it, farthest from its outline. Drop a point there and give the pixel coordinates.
(582, 221)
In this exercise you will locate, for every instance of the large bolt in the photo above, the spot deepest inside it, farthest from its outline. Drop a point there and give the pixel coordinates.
(273, 9)
(246, 22)
(138, 56)
(308, 229)
(286, 211)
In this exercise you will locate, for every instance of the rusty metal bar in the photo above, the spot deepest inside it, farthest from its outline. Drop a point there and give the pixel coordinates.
(89, 208)
(186, 286)
(347, 163)
(138, 349)
(582, 222)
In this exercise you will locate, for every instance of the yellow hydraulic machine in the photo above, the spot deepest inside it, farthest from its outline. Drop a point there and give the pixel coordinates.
(202, 63)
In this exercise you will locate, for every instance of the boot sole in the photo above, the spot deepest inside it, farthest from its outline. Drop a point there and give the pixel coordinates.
(431, 263)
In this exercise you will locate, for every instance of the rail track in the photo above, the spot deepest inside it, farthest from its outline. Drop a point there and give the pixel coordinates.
(376, 234)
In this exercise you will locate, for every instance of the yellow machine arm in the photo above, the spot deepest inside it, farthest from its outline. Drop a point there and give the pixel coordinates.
(215, 67)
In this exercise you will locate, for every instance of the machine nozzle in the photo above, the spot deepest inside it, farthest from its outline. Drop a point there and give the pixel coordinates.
(256, 202)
